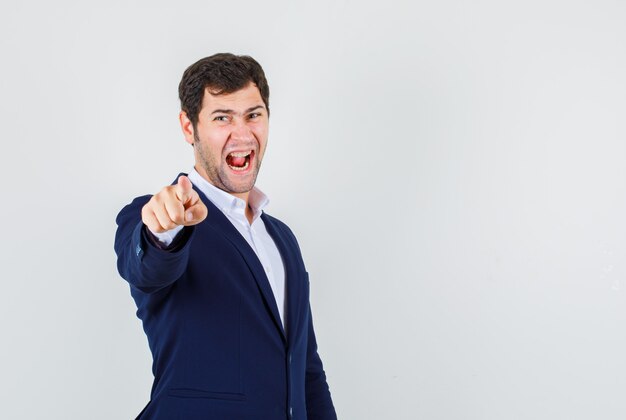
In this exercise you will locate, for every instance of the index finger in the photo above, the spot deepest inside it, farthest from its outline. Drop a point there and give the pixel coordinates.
(183, 189)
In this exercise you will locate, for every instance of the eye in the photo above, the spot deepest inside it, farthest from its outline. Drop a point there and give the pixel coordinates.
(254, 115)
(221, 118)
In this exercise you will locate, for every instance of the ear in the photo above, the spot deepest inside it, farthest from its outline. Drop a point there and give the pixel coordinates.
(186, 126)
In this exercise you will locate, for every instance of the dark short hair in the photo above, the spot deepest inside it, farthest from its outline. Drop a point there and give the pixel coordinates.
(222, 73)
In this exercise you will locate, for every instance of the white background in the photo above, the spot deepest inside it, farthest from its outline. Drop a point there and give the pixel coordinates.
(455, 173)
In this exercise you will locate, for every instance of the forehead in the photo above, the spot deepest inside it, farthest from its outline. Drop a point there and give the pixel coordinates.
(237, 101)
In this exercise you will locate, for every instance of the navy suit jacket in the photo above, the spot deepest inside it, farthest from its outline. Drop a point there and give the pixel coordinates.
(219, 349)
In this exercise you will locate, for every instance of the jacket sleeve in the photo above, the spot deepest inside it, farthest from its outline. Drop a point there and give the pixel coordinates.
(319, 404)
(141, 263)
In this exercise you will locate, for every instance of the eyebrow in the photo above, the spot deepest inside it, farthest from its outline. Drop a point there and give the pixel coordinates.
(230, 111)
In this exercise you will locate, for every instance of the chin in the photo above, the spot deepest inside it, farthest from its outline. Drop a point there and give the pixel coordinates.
(238, 187)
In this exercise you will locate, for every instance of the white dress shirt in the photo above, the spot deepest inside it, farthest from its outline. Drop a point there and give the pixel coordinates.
(254, 233)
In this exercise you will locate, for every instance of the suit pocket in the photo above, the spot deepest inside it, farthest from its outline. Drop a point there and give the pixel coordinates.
(198, 393)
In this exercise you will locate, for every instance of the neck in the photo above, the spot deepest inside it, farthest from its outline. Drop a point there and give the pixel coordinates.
(244, 195)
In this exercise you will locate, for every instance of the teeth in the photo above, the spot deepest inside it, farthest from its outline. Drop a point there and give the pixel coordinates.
(237, 168)
(240, 154)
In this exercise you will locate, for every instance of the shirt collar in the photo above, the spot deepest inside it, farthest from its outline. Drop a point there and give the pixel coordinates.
(227, 203)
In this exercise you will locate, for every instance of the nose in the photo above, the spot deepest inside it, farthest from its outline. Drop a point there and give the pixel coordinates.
(240, 130)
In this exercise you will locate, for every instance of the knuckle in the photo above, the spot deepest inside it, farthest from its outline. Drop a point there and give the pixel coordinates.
(164, 193)
(154, 227)
(175, 214)
(147, 215)
(157, 198)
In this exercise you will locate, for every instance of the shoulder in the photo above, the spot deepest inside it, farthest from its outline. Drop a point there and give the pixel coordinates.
(278, 224)
(282, 228)
(275, 220)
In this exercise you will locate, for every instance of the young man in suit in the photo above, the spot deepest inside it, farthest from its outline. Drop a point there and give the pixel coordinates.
(220, 285)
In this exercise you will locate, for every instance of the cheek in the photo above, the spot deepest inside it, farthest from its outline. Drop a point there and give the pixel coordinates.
(261, 134)
(210, 152)
(215, 145)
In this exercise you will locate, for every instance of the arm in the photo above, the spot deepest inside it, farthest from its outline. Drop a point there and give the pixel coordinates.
(319, 404)
(140, 261)
(144, 262)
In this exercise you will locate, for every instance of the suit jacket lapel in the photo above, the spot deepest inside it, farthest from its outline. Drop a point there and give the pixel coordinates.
(220, 223)
(292, 282)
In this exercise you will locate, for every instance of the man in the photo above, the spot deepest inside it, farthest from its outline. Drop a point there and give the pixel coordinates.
(220, 286)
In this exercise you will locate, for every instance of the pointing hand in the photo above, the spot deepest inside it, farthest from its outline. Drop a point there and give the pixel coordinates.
(173, 206)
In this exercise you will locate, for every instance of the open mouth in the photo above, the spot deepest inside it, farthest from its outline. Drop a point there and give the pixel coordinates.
(239, 161)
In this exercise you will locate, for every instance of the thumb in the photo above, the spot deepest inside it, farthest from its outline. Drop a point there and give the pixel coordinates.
(195, 214)
(183, 189)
